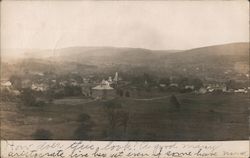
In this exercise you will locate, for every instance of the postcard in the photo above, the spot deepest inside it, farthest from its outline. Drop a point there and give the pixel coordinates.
(118, 79)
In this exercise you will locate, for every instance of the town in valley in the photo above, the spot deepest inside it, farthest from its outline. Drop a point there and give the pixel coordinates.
(109, 93)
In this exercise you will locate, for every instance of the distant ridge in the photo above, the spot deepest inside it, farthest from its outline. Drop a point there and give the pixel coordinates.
(205, 62)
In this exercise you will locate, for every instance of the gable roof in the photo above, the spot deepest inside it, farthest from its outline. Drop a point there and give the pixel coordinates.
(103, 87)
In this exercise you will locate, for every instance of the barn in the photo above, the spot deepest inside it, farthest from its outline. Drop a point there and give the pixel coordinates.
(103, 91)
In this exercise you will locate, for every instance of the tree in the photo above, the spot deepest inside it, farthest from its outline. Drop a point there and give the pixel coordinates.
(42, 134)
(83, 118)
(114, 113)
(28, 97)
(123, 120)
(121, 93)
(197, 83)
(16, 82)
(72, 90)
(174, 101)
(76, 77)
(127, 94)
(231, 84)
(82, 132)
(183, 81)
(165, 81)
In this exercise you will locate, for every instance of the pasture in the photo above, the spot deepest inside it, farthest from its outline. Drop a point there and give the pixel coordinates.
(200, 117)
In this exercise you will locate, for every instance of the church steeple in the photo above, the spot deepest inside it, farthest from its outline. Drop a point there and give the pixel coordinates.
(116, 77)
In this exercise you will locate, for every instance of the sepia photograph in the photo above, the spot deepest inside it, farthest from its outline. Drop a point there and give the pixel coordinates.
(125, 70)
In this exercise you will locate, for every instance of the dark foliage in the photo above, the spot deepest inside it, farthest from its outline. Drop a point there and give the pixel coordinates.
(174, 101)
(85, 127)
(42, 134)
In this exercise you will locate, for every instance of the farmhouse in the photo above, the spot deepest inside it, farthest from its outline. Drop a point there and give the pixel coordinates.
(240, 90)
(39, 87)
(103, 91)
(173, 85)
(202, 90)
(216, 87)
(191, 87)
(6, 83)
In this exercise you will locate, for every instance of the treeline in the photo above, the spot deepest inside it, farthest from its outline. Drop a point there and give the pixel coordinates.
(152, 80)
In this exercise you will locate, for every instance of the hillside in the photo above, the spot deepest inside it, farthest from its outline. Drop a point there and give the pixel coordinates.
(218, 61)
(237, 51)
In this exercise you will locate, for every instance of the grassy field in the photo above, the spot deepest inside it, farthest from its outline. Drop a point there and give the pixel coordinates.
(201, 117)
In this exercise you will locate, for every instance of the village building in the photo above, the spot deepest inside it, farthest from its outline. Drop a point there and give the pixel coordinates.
(73, 82)
(39, 87)
(241, 90)
(116, 78)
(162, 85)
(103, 91)
(173, 85)
(8, 87)
(212, 87)
(191, 87)
(6, 84)
(86, 89)
(63, 83)
(202, 90)
(26, 83)
(15, 92)
(230, 91)
(110, 80)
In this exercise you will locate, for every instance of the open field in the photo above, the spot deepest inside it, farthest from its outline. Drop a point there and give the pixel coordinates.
(201, 117)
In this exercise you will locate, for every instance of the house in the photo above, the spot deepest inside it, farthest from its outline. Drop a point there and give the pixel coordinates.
(230, 91)
(6, 84)
(162, 85)
(191, 87)
(39, 87)
(63, 83)
(86, 90)
(173, 85)
(202, 90)
(15, 92)
(73, 82)
(110, 80)
(103, 91)
(216, 87)
(241, 90)
(116, 78)
(26, 83)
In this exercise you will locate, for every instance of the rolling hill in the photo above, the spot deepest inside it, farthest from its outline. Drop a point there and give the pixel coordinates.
(206, 62)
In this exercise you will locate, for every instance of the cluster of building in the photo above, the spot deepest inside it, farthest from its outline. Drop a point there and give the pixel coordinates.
(216, 87)
(7, 86)
(106, 88)
(210, 88)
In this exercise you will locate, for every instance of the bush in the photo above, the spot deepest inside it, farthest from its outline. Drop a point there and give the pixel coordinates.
(42, 134)
(174, 101)
(117, 118)
(28, 97)
(83, 118)
(82, 132)
(127, 94)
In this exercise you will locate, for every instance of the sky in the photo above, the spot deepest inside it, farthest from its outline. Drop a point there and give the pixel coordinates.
(140, 24)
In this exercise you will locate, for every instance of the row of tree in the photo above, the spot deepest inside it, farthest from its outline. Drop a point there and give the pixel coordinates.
(151, 80)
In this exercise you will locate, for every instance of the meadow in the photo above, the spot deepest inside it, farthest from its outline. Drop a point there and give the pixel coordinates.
(199, 117)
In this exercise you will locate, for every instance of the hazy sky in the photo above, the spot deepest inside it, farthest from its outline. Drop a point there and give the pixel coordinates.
(145, 24)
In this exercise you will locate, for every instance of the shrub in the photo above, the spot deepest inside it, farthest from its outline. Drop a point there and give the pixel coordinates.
(42, 134)
(174, 101)
(82, 132)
